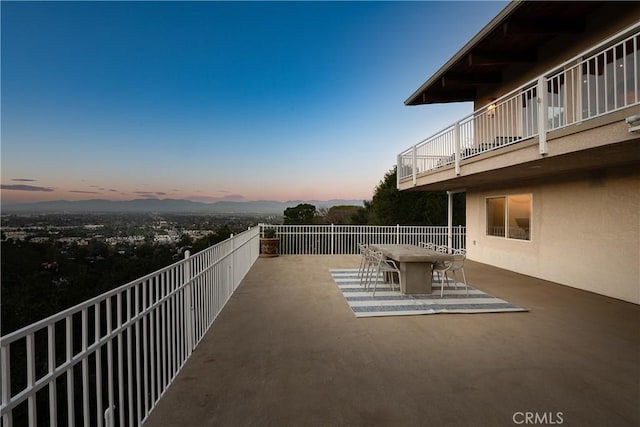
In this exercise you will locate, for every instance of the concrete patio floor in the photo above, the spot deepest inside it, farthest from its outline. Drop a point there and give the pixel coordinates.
(288, 351)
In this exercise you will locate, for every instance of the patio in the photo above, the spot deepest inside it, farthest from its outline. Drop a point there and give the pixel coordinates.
(287, 350)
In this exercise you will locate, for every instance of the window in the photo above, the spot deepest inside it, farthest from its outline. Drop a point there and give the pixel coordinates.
(496, 208)
(509, 216)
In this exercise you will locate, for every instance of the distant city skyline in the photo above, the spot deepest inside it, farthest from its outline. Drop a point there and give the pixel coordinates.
(210, 101)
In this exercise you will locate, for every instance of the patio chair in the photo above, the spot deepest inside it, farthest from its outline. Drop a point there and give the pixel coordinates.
(382, 266)
(438, 264)
(442, 270)
(443, 249)
(427, 245)
(369, 268)
(363, 248)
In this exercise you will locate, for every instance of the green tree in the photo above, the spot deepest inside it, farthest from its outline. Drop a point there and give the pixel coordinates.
(185, 241)
(361, 216)
(342, 215)
(390, 206)
(222, 233)
(304, 213)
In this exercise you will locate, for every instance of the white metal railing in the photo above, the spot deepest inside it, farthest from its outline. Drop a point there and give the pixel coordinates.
(344, 239)
(604, 79)
(604, 82)
(108, 360)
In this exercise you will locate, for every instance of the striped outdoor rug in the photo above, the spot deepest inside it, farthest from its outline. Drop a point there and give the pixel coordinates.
(389, 302)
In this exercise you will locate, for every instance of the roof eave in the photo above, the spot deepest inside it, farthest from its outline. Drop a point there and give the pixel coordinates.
(417, 97)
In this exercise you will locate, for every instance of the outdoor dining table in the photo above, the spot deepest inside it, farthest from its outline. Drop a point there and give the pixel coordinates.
(415, 264)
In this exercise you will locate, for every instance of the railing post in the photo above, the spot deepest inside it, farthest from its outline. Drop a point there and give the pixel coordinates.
(398, 170)
(108, 417)
(456, 146)
(51, 357)
(397, 234)
(69, 354)
(450, 220)
(333, 230)
(5, 370)
(31, 379)
(188, 306)
(414, 164)
(543, 113)
(233, 261)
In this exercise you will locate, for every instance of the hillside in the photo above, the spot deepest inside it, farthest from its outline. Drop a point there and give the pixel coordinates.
(171, 205)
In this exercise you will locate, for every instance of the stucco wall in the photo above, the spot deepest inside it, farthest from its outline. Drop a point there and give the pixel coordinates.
(585, 234)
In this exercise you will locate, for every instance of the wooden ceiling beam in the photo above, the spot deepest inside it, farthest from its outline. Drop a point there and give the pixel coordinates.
(459, 95)
(501, 58)
(436, 98)
(453, 80)
(546, 26)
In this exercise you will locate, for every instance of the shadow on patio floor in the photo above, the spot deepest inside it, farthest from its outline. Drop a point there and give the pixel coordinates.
(287, 350)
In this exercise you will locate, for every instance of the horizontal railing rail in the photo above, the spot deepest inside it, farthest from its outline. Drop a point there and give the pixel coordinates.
(108, 361)
(604, 79)
(344, 239)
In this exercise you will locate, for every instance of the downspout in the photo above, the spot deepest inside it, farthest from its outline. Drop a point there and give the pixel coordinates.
(450, 215)
(450, 219)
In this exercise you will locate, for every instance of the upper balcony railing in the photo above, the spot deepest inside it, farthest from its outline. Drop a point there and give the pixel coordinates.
(604, 79)
(107, 361)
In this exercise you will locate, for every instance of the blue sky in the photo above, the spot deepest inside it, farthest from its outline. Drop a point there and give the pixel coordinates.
(219, 100)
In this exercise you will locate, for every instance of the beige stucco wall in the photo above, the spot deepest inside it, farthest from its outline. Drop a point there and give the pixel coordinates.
(585, 234)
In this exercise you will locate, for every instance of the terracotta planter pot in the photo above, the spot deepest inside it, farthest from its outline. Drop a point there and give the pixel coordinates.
(269, 247)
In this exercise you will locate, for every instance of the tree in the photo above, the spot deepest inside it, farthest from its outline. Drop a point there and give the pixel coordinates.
(361, 216)
(304, 213)
(341, 215)
(222, 233)
(390, 206)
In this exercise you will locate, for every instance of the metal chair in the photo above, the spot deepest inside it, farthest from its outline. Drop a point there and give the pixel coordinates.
(443, 249)
(427, 245)
(439, 265)
(382, 266)
(369, 268)
(456, 264)
(363, 248)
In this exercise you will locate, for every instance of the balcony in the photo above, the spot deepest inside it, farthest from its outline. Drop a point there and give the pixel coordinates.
(527, 133)
(227, 338)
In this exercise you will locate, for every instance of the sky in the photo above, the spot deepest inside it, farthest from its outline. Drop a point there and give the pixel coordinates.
(211, 101)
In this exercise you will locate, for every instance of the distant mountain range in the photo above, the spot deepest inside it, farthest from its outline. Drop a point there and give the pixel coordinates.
(270, 207)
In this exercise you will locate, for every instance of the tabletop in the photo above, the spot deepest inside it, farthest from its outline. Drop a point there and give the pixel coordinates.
(411, 253)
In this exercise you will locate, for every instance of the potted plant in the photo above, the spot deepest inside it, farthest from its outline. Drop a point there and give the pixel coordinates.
(269, 243)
